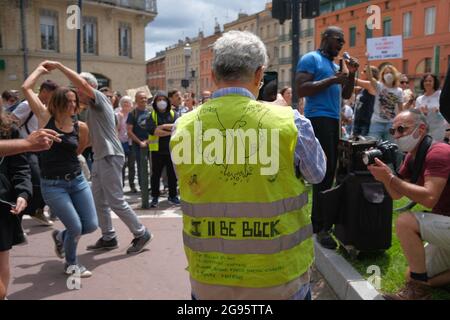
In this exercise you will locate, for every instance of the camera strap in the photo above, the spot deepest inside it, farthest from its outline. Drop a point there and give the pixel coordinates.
(416, 166)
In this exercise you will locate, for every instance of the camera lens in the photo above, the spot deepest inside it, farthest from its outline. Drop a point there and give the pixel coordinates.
(368, 157)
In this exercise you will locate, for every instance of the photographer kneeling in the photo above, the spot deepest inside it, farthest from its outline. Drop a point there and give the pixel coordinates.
(429, 266)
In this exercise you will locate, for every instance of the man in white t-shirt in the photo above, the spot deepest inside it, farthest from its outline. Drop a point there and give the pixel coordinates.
(27, 123)
(25, 119)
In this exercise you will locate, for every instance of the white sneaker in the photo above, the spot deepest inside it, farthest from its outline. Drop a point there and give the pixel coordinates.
(77, 270)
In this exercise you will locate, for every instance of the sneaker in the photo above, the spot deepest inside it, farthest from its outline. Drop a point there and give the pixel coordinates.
(174, 201)
(77, 270)
(103, 245)
(413, 290)
(138, 244)
(59, 246)
(326, 240)
(40, 217)
(154, 203)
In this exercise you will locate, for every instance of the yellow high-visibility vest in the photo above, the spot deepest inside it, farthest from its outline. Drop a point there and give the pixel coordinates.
(241, 227)
(153, 141)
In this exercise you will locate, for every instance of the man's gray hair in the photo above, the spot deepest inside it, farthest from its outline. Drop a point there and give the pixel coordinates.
(237, 56)
(125, 99)
(418, 117)
(89, 77)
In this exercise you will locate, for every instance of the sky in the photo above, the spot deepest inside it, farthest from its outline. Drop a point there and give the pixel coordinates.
(178, 19)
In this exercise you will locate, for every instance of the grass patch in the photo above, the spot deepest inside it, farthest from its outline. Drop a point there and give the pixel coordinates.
(392, 262)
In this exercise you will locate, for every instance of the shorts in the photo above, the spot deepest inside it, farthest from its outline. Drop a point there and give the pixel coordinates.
(435, 230)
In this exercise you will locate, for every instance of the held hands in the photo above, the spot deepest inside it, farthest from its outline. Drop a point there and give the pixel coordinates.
(380, 171)
(50, 65)
(424, 110)
(167, 127)
(144, 144)
(21, 204)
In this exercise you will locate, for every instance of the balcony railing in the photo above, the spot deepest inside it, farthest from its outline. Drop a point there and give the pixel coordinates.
(285, 37)
(286, 60)
(307, 33)
(148, 6)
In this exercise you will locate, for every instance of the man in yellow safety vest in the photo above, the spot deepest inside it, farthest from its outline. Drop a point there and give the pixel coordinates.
(241, 165)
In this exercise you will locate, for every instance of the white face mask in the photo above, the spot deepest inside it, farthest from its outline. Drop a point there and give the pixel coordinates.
(389, 78)
(161, 105)
(408, 143)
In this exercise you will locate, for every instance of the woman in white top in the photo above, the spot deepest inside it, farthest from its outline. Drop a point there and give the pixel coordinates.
(428, 104)
(388, 100)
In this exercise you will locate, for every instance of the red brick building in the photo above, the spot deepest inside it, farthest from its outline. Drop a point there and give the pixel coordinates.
(206, 60)
(156, 72)
(424, 25)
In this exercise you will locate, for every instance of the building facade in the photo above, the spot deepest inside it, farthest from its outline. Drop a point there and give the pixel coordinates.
(268, 31)
(244, 22)
(277, 38)
(156, 73)
(423, 24)
(113, 40)
(177, 61)
(307, 44)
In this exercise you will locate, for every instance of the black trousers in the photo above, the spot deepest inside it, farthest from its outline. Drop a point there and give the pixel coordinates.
(36, 202)
(327, 132)
(159, 161)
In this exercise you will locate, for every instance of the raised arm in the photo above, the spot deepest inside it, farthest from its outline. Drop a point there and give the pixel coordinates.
(35, 103)
(371, 84)
(80, 83)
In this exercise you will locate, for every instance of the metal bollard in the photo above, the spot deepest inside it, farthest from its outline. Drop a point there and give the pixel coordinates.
(143, 174)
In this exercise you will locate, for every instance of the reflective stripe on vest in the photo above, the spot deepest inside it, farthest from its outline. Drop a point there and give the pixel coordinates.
(242, 228)
(231, 210)
(249, 246)
(153, 141)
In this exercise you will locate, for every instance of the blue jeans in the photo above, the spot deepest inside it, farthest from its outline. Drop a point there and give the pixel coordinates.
(73, 204)
(380, 130)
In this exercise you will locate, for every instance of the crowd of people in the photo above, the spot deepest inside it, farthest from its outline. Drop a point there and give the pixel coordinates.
(380, 95)
(71, 148)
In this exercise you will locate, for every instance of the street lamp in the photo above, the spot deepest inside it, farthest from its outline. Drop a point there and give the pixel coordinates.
(187, 54)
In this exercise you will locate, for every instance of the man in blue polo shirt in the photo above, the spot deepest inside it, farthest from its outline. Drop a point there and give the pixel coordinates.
(324, 85)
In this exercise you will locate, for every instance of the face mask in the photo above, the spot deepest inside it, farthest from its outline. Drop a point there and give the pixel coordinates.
(389, 78)
(161, 105)
(407, 143)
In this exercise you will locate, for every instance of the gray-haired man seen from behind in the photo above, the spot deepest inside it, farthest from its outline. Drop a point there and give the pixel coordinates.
(108, 162)
(245, 262)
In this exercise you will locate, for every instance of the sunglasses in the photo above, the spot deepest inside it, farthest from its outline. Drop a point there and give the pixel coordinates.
(404, 82)
(339, 39)
(399, 129)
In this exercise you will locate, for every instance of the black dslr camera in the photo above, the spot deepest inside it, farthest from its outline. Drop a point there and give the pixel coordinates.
(385, 151)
